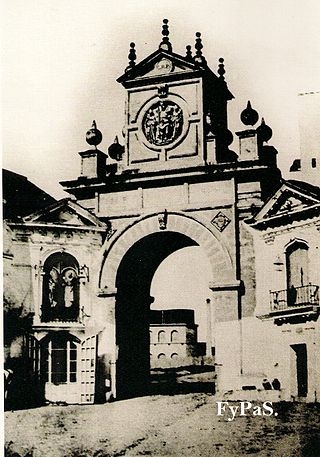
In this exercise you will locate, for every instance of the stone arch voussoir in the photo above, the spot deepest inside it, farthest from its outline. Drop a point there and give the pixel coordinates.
(218, 255)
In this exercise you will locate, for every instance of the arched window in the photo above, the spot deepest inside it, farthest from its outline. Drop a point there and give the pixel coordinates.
(60, 296)
(174, 356)
(59, 358)
(161, 336)
(297, 264)
(161, 356)
(297, 270)
(174, 336)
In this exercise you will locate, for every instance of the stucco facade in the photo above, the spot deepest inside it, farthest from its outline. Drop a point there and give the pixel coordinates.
(287, 291)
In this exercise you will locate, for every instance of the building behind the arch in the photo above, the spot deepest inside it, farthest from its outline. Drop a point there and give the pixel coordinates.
(173, 338)
(79, 271)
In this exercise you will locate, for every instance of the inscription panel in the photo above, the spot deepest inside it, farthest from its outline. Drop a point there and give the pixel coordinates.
(212, 193)
(120, 202)
(166, 197)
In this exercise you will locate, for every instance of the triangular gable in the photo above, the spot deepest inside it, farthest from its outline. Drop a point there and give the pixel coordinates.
(158, 64)
(64, 212)
(292, 198)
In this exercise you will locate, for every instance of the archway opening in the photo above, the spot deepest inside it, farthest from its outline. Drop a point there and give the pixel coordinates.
(181, 282)
(133, 282)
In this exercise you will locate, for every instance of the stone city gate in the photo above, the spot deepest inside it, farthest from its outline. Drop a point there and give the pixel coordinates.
(174, 183)
(128, 268)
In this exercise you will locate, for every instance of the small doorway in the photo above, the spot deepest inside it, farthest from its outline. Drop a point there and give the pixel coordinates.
(59, 367)
(300, 369)
(67, 367)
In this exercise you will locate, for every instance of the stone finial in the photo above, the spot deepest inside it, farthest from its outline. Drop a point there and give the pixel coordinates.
(249, 116)
(264, 132)
(94, 136)
(189, 53)
(116, 150)
(199, 58)
(132, 56)
(165, 43)
(221, 70)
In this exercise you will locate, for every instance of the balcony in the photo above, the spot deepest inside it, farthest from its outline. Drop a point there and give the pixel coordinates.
(294, 304)
(295, 296)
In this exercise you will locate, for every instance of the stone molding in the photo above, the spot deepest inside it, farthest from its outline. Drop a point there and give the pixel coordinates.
(217, 253)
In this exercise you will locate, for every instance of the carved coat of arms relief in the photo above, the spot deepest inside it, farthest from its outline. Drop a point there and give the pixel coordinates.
(162, 123)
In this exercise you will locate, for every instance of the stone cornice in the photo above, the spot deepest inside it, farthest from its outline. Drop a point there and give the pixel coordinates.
(286, 218)
(232, 285)
(50, 226)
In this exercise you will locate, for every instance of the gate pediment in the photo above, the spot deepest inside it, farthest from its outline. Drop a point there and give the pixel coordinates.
(159, 63)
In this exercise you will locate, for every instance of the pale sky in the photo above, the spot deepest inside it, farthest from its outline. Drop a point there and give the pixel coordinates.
(61, 60)
(60, 64)
(181, 281)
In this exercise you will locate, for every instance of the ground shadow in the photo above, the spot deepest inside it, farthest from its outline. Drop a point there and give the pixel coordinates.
(182, 380)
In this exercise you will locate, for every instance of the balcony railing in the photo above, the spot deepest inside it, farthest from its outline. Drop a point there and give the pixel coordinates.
(294, 297)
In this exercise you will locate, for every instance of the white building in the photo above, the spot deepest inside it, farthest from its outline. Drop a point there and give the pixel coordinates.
(307, 168)
(287, 245)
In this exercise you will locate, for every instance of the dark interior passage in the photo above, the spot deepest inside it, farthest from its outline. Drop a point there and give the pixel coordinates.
(134, 278)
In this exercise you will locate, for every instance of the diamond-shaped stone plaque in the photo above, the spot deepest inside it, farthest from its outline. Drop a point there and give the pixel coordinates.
(220, 221)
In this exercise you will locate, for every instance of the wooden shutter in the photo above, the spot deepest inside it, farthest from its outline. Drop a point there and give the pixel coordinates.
(88, 369)
(33, 348)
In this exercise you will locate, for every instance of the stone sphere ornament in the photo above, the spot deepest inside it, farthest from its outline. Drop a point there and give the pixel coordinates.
(116, 150)
(249, 116)
(228, 137)
(93, 136)
(264, 132)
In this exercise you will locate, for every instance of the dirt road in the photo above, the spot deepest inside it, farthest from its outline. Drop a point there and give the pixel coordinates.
(180, 425)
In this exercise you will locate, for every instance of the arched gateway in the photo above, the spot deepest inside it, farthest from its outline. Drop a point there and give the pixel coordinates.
(130, 262)
(174, 183)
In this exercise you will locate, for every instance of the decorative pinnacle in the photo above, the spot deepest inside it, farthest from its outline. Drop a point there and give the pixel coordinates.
(132, 57)
(94, 136)
(249, 116)
(264, 132)
(189, 53)
(199, 58)
(165, 43)
(221, 70)
(115, 150)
